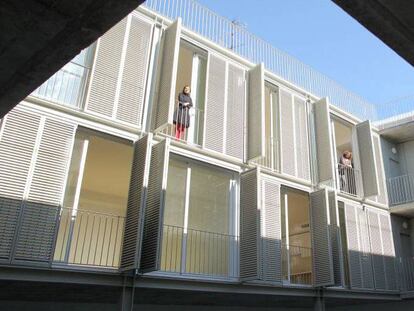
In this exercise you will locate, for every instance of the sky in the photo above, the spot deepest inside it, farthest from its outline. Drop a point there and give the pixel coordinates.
(322, 35)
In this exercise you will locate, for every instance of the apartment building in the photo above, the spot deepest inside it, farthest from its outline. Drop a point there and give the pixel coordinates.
(104, 206)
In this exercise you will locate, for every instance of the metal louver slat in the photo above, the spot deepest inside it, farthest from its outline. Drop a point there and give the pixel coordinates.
(335, 239)
(367, 159)
(168, 75)
(287, 133)
(105, 73)
(382, 195)
(256, 113)
(135, 208)
(366, 258)
(302, 143)
(131, 97)
(322, 265)
(323, 136)
(214, 119)
(236, 99)
(250, 256)
(155, 199)
(271, 232)
(389, 252)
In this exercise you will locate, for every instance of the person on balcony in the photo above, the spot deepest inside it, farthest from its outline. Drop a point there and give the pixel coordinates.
(346, 173)
(181, 114)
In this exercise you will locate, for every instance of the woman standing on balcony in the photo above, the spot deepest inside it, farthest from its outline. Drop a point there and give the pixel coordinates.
(181, 114)
(347, 174)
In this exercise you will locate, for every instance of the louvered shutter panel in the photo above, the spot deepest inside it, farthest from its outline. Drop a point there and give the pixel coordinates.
(256, 113)
(301, 138)
(382, 195)
(132, 91)
(155, 199)
(354, 260)
(367, 159)
(16, 150)
(389, 252)
(250, 256)
(322, 265)
(376, 249)
(214, 119)
(36, 236)
(271, 231)
(236, 99)
(168, 75)
(287, 133)
(365, 250)
(323, 137)
(335, 237)
(131, 247)
(104, 78)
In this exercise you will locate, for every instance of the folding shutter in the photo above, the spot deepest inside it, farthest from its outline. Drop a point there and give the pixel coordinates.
(37, 230)
(168, 75)
(367, 159)
(365, 250)
(335, 237)
(382, 195)
(131, 248)
(104, 79)
(250, 256)
(389, 252)
(301, 138)
(155, 199)
(271, 231)
(287, 133)
(323, 136)
(236, 99)
(132, 89)
(376, 249)
(214, 119)
(322, 265)
(16, 151)
(256, 113)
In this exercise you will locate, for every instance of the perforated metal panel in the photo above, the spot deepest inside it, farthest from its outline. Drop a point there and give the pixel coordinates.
(287, 133)
(236, 100)
(131, 97)
(271, 232)
(215, 104)
(152, 235)
(168, 75)
(256, 113)
(382, 195)
(301, 137)
(323, 137)
(365, 250)
(131, 248)
(335, 236)
(104, 77)
(389, 252)
(322, 265)
(250, 256)
(367, 159)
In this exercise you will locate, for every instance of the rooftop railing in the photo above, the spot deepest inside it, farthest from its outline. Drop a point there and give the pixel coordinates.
(233, 36)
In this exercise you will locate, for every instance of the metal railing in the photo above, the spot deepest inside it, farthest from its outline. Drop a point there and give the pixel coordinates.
(233, 36)
(89, 238)
(297, 264)
(406, 273)
(188, 126)
(271, 159)
(401, 189)
(197, 252)
(394, 112)
(66, 87)
(349, 180)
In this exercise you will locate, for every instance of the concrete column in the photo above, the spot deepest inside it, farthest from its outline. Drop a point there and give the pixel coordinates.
(319, 301)
(126, 301)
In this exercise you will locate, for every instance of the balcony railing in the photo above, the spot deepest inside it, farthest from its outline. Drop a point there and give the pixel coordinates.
(406, 273)
(197, 252)
(349, 180)
(89, 238)
(188, 126)
(297, 264)
(401, 189)
(271, 159)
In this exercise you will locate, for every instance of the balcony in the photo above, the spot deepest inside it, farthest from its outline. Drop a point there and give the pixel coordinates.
(198, 253)
(401, 189)
(89, 238)
(271, 159)
(349, 180)
(297, 265)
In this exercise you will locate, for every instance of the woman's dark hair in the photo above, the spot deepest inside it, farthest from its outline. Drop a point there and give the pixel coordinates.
(185, 86)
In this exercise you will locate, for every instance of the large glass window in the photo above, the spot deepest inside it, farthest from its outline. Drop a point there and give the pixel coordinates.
(92, 218)
(198, 236)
